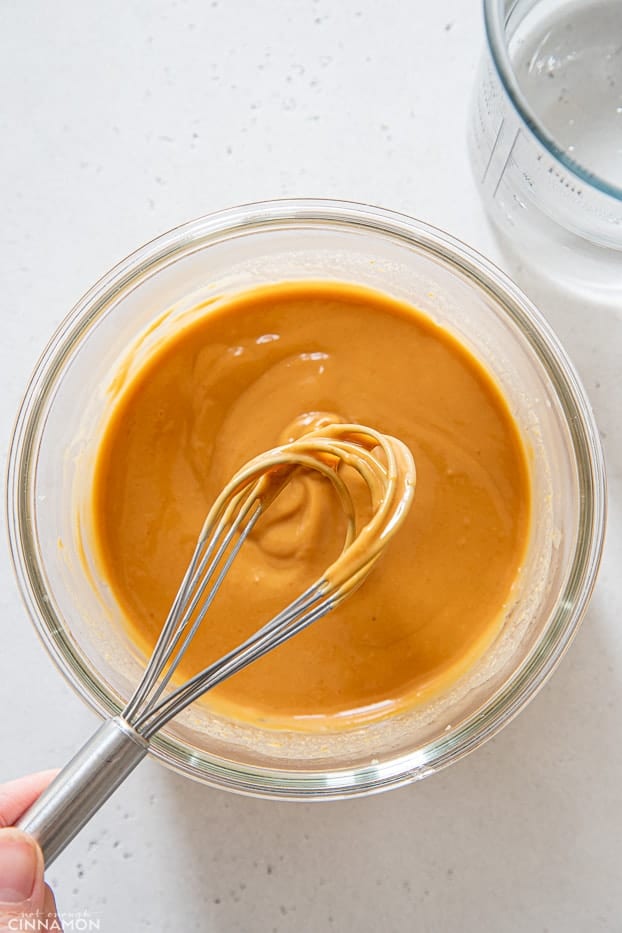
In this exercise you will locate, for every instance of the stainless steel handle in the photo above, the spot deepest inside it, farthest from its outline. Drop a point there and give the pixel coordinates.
(83, 785)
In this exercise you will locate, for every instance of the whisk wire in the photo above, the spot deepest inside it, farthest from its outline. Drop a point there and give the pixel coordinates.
(157, 675)
(209, 596)
(228, 525)
(261, 642)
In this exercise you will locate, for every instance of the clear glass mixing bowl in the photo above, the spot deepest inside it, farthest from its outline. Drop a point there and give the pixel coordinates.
(56, 433)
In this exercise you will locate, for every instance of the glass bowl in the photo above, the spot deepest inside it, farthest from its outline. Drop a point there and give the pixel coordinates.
(133, 306)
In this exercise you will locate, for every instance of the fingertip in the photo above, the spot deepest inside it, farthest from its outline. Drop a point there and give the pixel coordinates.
(21, 871)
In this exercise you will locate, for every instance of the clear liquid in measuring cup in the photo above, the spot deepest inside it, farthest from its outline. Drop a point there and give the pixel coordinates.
(568, 64)
(546, 139)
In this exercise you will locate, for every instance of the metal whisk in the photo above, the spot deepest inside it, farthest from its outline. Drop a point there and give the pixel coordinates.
(386, 466)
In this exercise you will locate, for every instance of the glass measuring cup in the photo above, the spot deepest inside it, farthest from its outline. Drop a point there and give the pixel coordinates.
(545, 136)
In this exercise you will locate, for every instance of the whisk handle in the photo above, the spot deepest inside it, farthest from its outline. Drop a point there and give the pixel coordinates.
(80, 789)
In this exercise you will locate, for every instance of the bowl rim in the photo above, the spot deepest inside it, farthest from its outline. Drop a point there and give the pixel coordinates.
(525, 681)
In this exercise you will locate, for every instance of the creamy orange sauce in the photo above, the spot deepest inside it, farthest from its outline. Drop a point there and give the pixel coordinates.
(250, 373)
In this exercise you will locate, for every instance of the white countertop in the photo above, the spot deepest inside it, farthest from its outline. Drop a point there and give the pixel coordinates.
(122, 119)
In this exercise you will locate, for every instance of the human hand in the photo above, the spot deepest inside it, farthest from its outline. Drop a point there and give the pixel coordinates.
(23, 892)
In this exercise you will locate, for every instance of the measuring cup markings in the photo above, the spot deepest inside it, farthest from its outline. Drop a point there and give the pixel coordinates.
(544, 160)
(503, 145)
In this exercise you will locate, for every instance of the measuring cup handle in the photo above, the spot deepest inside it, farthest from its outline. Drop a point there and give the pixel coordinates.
(80, 789)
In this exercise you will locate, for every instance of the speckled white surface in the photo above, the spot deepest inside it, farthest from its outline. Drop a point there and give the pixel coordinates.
(122, 119)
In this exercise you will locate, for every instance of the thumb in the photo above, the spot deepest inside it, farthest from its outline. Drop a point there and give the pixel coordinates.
(22, 889)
